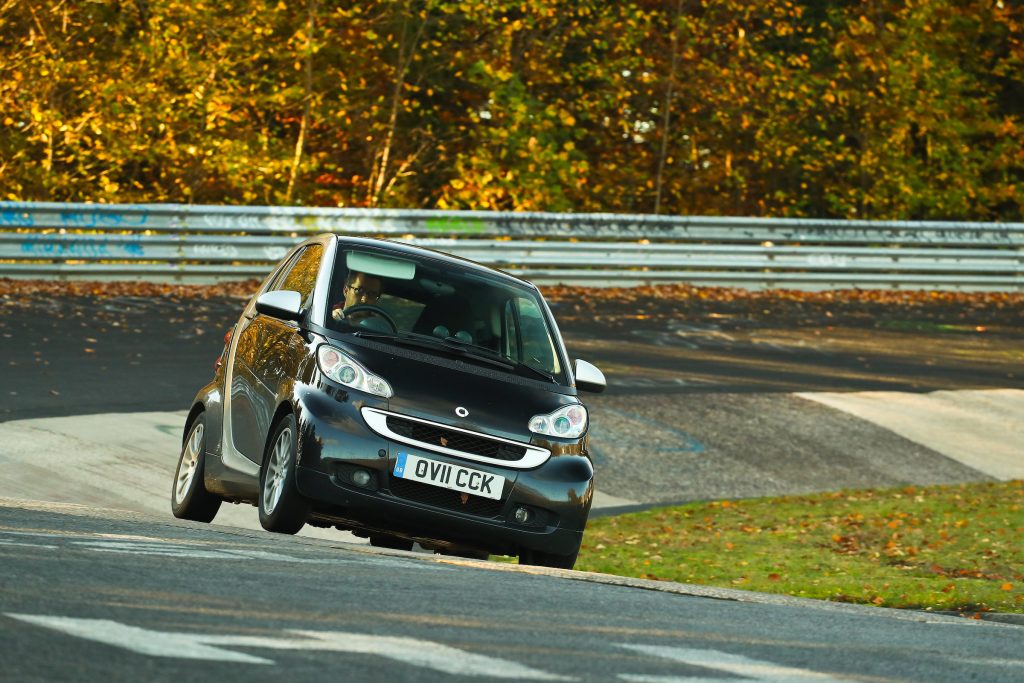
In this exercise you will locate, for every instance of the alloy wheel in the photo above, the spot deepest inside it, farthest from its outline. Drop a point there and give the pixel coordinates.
(277, 471)
(189, 463)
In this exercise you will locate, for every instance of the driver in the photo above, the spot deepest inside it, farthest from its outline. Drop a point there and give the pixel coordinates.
(360, 289)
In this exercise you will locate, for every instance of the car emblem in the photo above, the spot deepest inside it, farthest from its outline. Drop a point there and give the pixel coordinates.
(461, 412)
(444, 441)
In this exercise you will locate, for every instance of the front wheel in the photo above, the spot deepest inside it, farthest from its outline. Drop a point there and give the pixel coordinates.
(189, 497)
(283, 510)
(542, 559)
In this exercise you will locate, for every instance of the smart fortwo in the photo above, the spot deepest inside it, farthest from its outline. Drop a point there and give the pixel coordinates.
(400, 393)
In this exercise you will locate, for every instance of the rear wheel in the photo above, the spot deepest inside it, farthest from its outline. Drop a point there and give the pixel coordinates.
(189, 497)
(282, 508)
(542, 559)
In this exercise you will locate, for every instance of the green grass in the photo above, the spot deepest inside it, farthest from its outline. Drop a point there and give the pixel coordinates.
(942, 547)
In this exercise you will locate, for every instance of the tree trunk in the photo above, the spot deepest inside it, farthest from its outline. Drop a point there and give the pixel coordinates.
(667, 107)
(300, 141)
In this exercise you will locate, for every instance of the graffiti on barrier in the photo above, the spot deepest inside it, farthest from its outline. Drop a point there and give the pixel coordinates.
(82, 246)
(275, 253)
(17, 219)
(200, 251)
(100, 218)
(828, 260)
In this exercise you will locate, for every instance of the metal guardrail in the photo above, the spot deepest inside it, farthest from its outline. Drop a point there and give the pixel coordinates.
(204, 243)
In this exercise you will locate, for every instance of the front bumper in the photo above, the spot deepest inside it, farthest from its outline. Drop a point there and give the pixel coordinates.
(334, 442)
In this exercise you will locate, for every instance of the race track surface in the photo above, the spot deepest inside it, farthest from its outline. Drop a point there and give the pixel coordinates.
(131, 597)
(92, 401)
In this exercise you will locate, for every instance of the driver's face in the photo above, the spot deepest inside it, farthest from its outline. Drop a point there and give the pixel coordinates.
(361, 289)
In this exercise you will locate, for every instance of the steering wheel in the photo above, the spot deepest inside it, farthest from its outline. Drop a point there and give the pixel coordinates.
(376, 310)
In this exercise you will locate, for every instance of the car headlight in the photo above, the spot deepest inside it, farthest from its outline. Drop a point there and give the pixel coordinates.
(344, 370)
(568, 422)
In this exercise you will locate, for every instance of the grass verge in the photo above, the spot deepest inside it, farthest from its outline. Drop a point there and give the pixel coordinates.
(941, 547)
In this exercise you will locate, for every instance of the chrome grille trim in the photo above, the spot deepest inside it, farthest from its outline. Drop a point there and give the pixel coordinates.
(377, 420)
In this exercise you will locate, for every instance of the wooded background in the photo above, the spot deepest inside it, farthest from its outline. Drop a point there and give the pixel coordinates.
(889, 109)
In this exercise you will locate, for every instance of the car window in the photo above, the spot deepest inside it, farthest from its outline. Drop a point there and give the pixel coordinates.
(511, 341)
(419, 296)
(526, 335)
(405, 312)
(282, 270)
(301, 277)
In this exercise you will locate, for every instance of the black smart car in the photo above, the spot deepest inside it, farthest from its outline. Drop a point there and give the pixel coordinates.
(401, 393)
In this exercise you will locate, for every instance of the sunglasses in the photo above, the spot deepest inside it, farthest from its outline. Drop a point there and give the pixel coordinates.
(363, 291)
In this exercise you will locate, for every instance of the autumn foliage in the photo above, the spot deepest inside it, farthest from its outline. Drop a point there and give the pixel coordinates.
(903, 109)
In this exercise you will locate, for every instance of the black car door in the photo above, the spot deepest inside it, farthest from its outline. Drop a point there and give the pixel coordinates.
(268, 354)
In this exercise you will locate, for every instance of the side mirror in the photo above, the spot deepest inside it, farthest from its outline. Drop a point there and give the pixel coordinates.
(284, 304)
(589, 378)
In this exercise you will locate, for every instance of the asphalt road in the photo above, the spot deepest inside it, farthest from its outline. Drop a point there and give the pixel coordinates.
(711, 404)
(96, 595)
(82, 356)
(88, 594)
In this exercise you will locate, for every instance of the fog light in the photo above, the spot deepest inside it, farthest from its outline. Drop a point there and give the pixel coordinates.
(521, 515)
(360, 477)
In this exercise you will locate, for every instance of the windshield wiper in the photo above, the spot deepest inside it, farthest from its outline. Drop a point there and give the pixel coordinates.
(537, 371)
(456, 346)
(433, 343)
(491, 354)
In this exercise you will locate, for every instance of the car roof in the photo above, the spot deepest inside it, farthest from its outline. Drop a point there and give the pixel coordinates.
(423, 252)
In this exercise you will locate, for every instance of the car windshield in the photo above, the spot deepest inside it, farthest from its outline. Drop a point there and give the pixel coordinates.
(442, 307)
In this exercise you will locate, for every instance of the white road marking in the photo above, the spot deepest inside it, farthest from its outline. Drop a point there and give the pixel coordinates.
(158, 549)
(739, 665)
(140, 640)
(143, 545)
(4, 541)
(412, 651)
(643, 678)
(168, 549)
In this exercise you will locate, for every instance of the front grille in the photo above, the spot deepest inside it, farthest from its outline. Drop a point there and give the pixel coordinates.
(445, 498)
(429, 435)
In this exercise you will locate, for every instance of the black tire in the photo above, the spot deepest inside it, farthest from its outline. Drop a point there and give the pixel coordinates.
(542, 559)
(283, 510)
(189, 497)
(393, 542)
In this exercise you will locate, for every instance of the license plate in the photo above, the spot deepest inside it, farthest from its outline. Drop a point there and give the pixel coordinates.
(446, 475)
